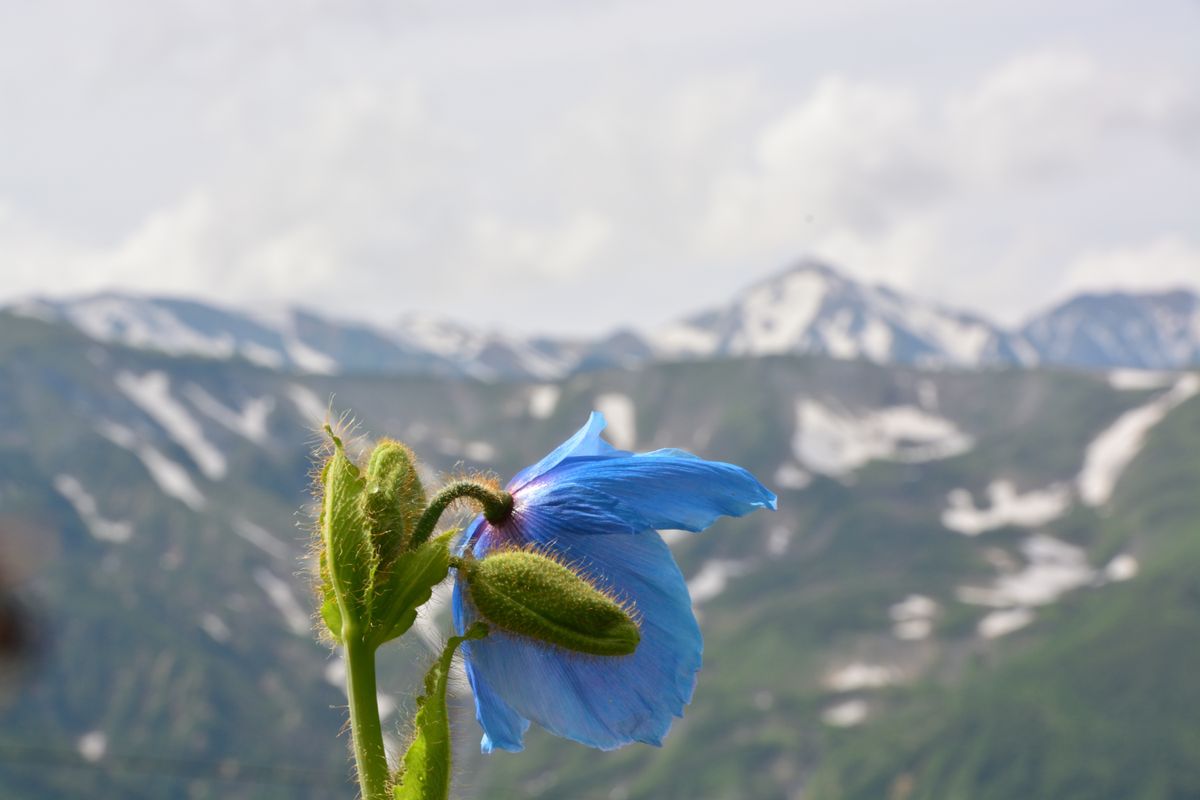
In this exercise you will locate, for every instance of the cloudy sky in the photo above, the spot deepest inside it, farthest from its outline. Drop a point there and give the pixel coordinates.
(571, 167)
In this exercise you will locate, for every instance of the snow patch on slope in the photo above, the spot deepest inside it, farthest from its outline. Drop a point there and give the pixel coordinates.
(85, 506)
(835, 441)
(250, 421)
(543, 400)
(1115, 448)
(779, 539)
(92, 746)
(913, 617)
(477, 353)
(172, 478)
(1003, 622)
(1053, 569)
(790, 476)
(776, 315)
(308, 405)
(621, 416)
(281, 596)
(846, 714)
(1136, 380)
(1007, 508)
(963, 341)
(262, 539)
(860, 675)
(713, 577)
(144, 324)
(813, 309)
(152, 393)
(1123, 567)
(215, 627)
(308, 359)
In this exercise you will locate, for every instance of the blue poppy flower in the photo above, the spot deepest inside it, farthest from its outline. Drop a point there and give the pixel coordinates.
(599, 509)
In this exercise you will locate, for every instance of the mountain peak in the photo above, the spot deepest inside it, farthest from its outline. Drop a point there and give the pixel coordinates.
(1148, 330)
(810, 307)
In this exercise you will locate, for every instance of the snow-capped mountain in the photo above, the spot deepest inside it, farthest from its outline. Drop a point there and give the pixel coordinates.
(287, 339)
(297, 340)
(810, 308)
(1148, 331)
(489, 355)
(813, 309)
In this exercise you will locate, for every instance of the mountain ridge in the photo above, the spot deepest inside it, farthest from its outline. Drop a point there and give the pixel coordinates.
(808, 308)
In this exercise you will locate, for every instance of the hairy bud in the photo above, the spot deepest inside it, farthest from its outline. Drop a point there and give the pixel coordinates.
(374, 574)
(524, 592)
(393, 500)
(347, 557)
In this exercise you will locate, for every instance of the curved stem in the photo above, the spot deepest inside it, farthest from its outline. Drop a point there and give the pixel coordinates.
(496, 504)
(365, 728)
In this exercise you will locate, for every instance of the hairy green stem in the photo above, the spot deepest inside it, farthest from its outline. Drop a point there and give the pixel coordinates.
(496, 504)
(365, 729)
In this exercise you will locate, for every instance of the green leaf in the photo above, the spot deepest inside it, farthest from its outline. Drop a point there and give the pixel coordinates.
(425, 771)
(406, 585)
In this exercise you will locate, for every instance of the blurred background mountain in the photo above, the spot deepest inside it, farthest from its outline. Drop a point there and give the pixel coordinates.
(468, 224)
(981, 581)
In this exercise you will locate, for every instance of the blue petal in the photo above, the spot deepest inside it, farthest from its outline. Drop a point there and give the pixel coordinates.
(627, 494)
(465, 538)
(576, 503)
(585, 442)
(600, 702)
(547, 513)
(503, 728)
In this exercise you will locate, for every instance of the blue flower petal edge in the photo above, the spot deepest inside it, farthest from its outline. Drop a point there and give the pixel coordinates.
(599, 509)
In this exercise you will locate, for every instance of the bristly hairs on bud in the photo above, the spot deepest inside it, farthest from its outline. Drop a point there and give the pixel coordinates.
(527, 593)
(322, 443)
(340, 441)
(394, 498)
(603, 587)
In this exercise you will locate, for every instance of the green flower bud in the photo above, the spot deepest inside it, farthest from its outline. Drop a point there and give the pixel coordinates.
(373, 573)
(348, 556)
(524, 592)
(393, 500)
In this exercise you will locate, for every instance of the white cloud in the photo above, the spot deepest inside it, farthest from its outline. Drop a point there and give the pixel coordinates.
(1167, 262)
(370, 160)
(945, 194)
(552, 252)
(1035, 116)
(851, 155)
(1047, 113)
(364, 176)
(901, 254)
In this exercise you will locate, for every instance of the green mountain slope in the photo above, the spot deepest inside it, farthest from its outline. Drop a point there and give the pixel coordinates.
(1101, 700)
(153, 501)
